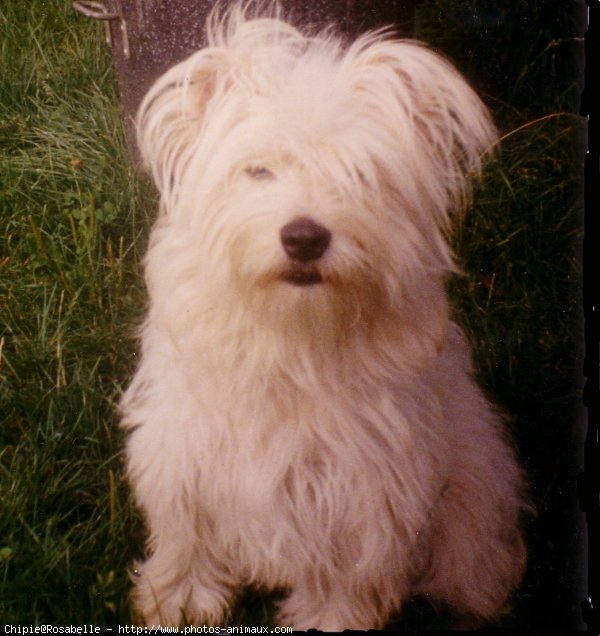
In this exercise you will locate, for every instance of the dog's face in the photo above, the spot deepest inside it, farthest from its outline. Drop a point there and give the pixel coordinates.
(306, 176)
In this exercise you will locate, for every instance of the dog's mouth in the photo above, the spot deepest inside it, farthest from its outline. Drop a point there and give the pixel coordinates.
(302, 275)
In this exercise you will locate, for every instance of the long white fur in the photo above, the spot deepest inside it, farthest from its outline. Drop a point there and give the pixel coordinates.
(327, 440)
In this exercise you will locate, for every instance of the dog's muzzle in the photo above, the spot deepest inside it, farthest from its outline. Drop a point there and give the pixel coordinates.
(304, 241)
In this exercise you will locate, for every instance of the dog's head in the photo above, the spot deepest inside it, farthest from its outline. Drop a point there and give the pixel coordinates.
(301, 173)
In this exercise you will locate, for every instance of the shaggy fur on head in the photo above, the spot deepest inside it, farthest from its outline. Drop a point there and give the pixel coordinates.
(304, 416)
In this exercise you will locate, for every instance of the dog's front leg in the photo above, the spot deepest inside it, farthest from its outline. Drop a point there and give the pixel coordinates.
(180, 584)
(347, 604)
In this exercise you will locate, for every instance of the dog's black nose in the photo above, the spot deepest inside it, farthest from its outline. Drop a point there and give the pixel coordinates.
(304, 240)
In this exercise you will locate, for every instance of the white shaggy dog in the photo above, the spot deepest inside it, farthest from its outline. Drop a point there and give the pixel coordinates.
(304, 416)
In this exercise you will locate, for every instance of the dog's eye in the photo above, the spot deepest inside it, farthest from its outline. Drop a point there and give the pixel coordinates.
(259, 173)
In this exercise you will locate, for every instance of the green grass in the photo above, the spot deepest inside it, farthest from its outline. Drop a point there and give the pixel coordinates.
(74, 221)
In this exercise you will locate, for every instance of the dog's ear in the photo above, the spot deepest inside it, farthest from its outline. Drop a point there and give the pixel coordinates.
(435, 118)
(172, 115)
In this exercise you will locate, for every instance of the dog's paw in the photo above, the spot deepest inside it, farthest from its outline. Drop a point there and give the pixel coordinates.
(177, 604)
(302, 612)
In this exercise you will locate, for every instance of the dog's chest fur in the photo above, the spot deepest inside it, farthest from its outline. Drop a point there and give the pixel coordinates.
(325, 478)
